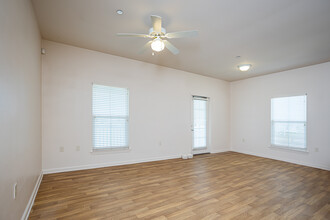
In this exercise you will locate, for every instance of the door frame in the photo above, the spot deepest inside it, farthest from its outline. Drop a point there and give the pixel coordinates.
(207, 148)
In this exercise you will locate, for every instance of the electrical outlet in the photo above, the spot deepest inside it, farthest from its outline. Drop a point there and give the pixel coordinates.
(243, 140)
(15, 190)
(77, 148)
(61, 149)
(160, 143)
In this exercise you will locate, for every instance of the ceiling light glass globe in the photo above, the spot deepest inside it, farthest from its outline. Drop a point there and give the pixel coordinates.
(244, 67)
(157, 45)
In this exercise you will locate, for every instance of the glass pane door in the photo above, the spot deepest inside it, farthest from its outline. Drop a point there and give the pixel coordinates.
(200, 122)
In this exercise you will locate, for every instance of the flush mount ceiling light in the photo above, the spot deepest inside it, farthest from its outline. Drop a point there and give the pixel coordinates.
(157, 45)
(244, 67)
(120, 12)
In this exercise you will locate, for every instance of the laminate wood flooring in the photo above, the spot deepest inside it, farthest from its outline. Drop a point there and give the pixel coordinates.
(214, 186)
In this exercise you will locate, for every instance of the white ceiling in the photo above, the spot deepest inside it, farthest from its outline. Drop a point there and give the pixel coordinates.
(272, 35)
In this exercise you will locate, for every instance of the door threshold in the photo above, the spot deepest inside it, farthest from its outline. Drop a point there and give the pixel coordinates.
(195, 154)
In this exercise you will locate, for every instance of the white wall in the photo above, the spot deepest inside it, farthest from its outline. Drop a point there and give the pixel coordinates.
(250, 113)
(20, 105)
(160, 108)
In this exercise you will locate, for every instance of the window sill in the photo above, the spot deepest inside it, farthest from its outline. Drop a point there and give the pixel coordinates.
(303, 150)
(110, 150)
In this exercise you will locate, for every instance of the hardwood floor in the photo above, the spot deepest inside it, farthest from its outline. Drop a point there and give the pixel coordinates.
(214, 186)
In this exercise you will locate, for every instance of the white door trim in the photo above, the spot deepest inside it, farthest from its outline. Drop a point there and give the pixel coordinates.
(207, 148)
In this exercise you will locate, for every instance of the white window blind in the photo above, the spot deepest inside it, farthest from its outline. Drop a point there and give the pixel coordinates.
(200, 122)
(288, 122)
(110, 117)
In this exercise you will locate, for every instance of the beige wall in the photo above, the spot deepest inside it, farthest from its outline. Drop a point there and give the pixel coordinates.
(250, 114)
(160, 108)
(20, 101)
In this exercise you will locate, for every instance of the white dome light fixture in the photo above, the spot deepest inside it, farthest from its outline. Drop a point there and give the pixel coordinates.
(244, 67)
(120, 12)
(157, 45)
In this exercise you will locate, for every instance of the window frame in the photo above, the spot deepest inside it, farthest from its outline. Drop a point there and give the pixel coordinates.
(110, 148)
(305, 149)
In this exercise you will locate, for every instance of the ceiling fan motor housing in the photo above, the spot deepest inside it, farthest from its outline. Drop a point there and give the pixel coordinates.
(155, 34)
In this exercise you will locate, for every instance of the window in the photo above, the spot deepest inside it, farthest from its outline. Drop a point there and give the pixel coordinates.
(110, 117)
(288, 122)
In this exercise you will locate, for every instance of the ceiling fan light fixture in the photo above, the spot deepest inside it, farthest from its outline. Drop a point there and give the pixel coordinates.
(159, 37)
(157, 45)
(244, 67)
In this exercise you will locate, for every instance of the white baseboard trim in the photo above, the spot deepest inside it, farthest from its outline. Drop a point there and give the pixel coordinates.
(118, 163)
(221, 150)
(28, 208)
(323, 167)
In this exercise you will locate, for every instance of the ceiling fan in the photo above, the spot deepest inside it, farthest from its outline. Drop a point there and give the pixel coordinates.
(158, 36)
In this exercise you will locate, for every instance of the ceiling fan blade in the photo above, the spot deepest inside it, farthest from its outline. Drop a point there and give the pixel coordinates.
(132, 35)
(156, 23)
(182, 34)
(145, 47)
(171, 47)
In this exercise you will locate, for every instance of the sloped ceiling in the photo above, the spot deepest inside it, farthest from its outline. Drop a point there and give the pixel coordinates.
(272, 35)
